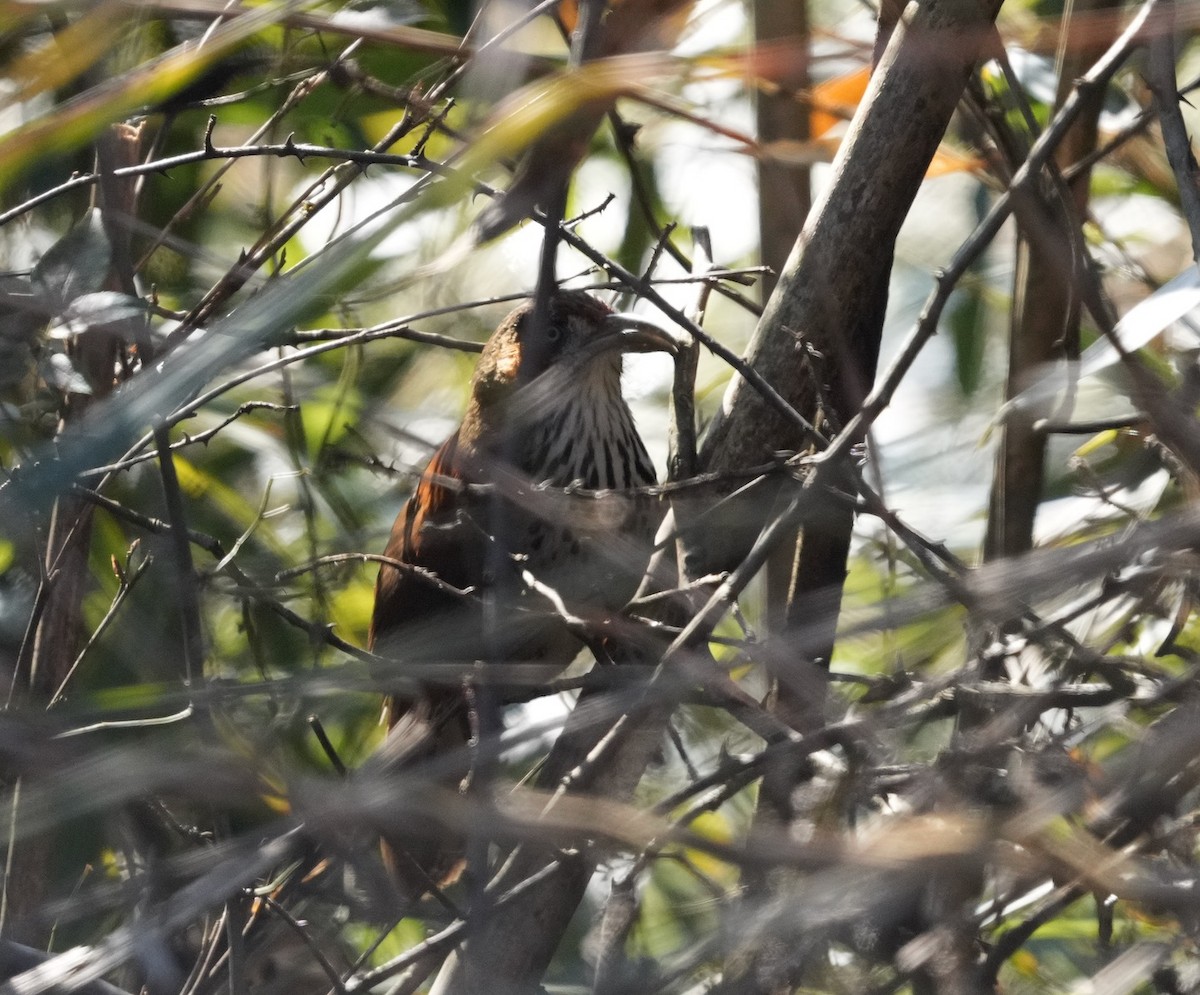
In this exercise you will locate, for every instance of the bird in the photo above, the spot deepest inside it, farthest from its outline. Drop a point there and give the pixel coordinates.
(534, 509)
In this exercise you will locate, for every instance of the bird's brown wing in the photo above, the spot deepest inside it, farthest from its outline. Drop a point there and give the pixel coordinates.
(435, 544)
(416, 613)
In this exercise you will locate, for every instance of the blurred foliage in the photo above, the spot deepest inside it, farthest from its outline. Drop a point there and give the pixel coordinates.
(184, 234)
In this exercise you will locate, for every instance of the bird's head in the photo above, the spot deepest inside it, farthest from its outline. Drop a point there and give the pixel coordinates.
(579, 348)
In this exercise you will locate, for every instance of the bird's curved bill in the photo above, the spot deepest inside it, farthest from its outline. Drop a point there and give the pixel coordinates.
(633, 333)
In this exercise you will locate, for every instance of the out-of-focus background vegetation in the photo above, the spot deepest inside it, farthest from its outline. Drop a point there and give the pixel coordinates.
(244, 231)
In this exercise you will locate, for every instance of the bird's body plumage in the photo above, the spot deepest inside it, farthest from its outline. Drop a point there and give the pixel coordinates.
(535, 485)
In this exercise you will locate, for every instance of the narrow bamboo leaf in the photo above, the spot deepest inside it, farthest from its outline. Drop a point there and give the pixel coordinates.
(1146, 319)
(78, 121)
(69, 53)
(110, 428)
(966, 320)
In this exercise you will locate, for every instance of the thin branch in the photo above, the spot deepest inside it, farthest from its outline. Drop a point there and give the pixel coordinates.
(1161, 78)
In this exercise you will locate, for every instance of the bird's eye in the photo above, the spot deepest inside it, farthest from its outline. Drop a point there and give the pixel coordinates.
(553, 333)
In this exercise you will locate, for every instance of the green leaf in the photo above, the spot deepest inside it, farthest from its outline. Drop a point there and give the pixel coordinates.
(76, 264)
(78, 121)
(966, 321)
(59, 372)
(93, 310)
